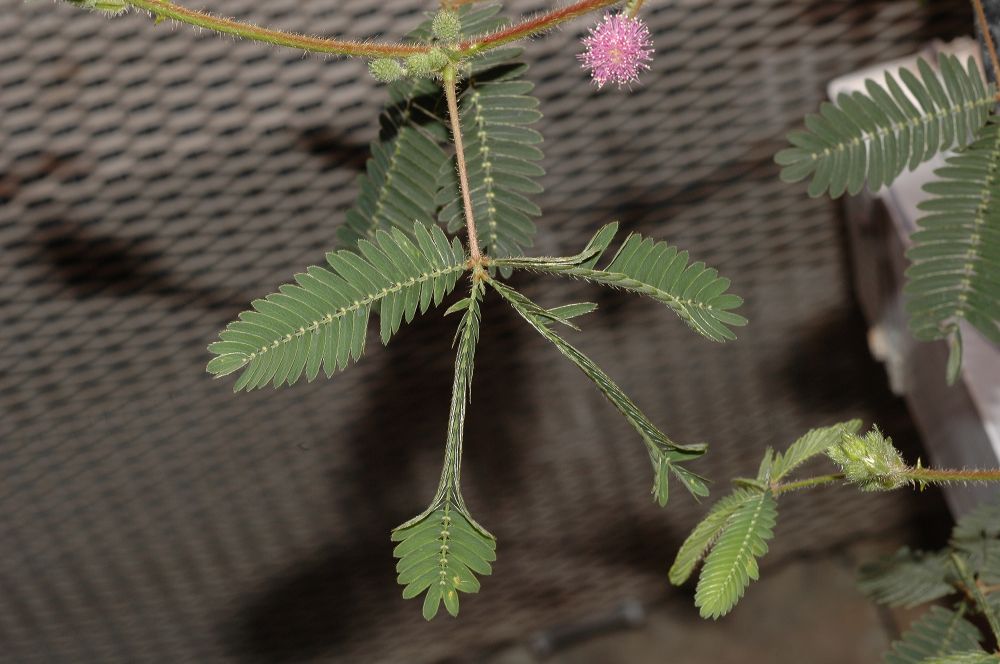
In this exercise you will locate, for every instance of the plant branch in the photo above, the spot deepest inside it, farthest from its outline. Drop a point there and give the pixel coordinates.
(463, 176)
(165, 9)
(948, 475)
(533, 25)
(991, 48)
(779, 488)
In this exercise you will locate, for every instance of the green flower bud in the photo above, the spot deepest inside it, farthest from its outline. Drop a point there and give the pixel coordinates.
(419, 63)
(437, 59)
(446, 26)
(386, 70)
(870, 462)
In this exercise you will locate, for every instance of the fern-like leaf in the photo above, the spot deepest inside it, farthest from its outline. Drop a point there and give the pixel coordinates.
(441, 550)
(441, 554)
(665, 454)
(814, 442)
(693, 291)
(732, 562)
(977, 535)
(400, 180)
(501, 152)
(705, 533)
(937, 633)
(873, 137)
(955, 271)
(907, 578)
(322, 320)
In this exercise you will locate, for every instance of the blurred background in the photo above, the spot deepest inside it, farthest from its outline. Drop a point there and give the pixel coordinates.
(155, 179)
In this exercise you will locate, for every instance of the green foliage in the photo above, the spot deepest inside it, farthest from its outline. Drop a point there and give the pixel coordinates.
(977, 536)
(442, 549)
(870, 461)
(705, 533)
(907, 578)
(955, 270)
(814, 442)
(939, 632)
(441, 555)
(323, 319)
(665, 454)
(732, 562)
(693, 291)
(501, 151)
(386, 70)
(874, 137)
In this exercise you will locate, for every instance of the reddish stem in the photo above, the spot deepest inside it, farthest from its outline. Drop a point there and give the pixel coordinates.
(534, 25)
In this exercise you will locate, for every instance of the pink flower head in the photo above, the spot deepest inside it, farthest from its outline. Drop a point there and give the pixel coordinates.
(618, 48)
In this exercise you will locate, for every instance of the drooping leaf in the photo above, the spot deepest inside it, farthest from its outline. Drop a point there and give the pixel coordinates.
(873, 137)
(938, 632)
(732, 562)
(662, 449)
(440, 555)
(955, 257)
(693, 291)
(322, 319)
(907, 578)
(442, 549)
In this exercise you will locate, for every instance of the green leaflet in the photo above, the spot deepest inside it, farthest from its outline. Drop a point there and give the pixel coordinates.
(955, 257)
(657, 270)
(732, 562)
(701, 538)
(322, 320)
(907, 578)
(814, 442)
(665, 454)
(501, 153)
(938, 632)
(873, 137)
(441, 550)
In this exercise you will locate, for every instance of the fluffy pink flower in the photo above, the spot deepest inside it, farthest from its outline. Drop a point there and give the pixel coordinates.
(618, 48)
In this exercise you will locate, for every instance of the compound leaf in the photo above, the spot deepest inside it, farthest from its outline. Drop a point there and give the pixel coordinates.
(873, 137)
(938, 632)
(322, 319)
(732, 562)
(705, 533)
(693, 291)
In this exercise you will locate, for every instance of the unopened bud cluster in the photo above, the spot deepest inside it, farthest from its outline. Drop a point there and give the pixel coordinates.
(446, 28)
(871, 461)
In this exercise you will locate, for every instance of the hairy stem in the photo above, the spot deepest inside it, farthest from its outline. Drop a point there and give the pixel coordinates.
(534, 25)
(779, 488)
(991, 48)
(463, 175)
(948, 475)
(165, 9)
